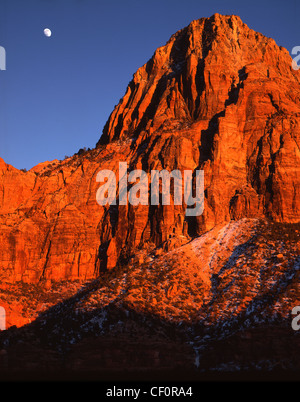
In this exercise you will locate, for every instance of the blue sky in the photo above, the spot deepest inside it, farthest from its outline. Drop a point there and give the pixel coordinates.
(57, 93)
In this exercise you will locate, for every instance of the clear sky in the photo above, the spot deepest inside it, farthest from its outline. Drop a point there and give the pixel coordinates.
(57, 93)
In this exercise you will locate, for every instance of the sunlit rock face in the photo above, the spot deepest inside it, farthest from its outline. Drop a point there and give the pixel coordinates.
(217, 97)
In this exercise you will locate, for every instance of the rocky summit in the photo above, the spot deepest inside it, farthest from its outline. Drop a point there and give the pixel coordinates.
(217, 97)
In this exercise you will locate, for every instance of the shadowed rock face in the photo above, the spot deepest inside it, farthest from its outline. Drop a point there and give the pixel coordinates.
(220, 303)
(218, 97)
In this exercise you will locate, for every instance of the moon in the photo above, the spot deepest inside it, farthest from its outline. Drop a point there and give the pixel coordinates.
(47, 32)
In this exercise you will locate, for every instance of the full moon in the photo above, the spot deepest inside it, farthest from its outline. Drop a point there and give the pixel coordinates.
(47, 32)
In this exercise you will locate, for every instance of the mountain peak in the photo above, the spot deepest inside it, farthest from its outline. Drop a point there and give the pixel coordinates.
(193, 77)
(130, 280)
(217, 97)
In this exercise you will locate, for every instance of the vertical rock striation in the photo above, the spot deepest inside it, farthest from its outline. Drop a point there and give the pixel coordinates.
(218, 97)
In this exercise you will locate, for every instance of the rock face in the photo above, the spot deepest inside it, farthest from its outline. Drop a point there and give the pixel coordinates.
(220, 303)
(218, 97)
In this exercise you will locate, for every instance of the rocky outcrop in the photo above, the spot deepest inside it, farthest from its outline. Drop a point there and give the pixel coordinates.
(218, 97)
(220, 303)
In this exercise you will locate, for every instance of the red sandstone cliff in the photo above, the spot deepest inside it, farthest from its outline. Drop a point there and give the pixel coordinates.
(218, 97)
